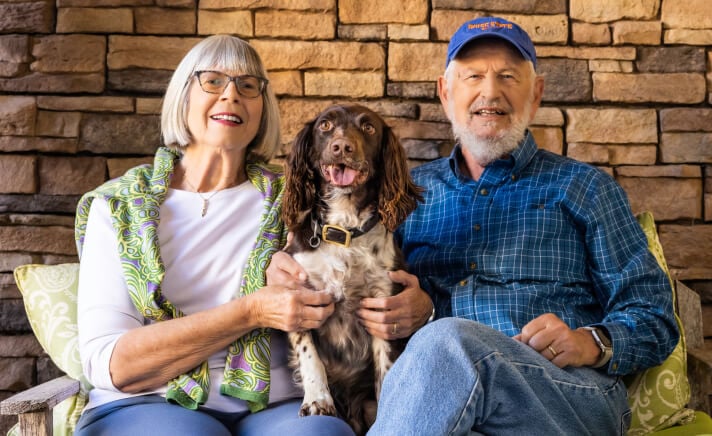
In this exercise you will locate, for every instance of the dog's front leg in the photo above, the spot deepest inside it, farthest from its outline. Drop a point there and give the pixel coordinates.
(381, 361)
(317, 398)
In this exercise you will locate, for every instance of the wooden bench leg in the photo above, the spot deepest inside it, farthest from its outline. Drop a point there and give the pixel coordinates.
(37, 423)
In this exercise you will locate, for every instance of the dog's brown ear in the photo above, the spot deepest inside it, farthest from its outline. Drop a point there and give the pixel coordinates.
(399, 195)
(300, 190)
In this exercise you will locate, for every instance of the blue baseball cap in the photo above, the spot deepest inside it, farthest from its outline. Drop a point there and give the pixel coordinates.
(491, 27)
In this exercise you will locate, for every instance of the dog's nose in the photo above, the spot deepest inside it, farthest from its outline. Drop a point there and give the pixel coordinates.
(341, 146)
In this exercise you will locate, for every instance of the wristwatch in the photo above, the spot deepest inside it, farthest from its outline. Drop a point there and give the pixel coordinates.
(604, 343)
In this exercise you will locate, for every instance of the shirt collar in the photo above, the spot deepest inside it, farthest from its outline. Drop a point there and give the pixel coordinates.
(516, 161)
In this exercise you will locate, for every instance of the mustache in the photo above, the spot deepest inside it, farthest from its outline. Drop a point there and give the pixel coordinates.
(495, 104)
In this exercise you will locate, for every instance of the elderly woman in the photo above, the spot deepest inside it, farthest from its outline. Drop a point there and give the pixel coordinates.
(178, 333)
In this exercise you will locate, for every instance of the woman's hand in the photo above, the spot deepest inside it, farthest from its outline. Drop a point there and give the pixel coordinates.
(291, 310)
(398, 316)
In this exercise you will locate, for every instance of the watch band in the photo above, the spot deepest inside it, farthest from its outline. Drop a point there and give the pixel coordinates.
(604, 344)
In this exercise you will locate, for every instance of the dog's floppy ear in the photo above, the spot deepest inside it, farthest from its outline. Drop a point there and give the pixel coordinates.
(399, 196)
(300, 190)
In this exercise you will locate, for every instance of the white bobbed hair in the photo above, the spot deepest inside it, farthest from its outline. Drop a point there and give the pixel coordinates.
(218, 52)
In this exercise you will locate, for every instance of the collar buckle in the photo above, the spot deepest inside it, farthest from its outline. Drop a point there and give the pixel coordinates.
(336, 235)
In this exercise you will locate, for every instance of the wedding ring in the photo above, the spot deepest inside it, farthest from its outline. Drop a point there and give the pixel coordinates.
(395, 328)
(553, 352)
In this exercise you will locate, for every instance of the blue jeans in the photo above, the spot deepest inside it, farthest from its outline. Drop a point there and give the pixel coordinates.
(151, 415)
(459, 377)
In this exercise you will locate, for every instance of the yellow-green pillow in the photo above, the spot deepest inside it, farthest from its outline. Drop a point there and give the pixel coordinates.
(50, 296)
(658, 395)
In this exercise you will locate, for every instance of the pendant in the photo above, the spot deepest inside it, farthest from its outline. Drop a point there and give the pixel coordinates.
(205, 208)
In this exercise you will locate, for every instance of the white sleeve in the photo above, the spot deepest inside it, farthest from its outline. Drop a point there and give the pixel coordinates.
(105, 310)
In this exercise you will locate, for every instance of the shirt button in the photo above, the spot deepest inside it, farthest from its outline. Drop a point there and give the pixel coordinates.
(483, 191)
(615, 367)
(477, 227)
(463, 283)
(514, 177)
(473, 265)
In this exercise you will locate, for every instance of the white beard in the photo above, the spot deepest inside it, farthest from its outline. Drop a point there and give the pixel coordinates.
(486, 150)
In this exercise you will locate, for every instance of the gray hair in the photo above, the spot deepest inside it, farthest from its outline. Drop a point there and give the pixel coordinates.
(218, 52)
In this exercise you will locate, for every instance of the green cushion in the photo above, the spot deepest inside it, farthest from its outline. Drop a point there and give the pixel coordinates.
(701, 426)
(50, 296)
(658, 395)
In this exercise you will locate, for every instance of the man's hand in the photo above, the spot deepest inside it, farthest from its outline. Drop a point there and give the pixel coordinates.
(553, 339)
(400, 315)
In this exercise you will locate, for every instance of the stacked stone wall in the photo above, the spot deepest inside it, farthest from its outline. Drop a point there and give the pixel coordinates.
(628, 89)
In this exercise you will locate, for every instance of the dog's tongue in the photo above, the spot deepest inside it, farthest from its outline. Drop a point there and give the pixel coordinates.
(342, 176)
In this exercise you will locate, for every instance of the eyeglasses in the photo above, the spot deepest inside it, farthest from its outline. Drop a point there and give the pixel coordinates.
(215, 82)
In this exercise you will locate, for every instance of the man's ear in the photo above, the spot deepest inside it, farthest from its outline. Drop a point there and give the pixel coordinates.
(442, 93)
(538, 94)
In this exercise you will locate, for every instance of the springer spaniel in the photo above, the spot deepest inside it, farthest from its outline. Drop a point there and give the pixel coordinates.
(348, 187)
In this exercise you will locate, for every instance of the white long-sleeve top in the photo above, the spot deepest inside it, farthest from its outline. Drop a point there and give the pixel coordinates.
(203, 259)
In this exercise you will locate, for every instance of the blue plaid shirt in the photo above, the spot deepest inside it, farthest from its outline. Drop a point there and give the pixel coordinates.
(540, 233)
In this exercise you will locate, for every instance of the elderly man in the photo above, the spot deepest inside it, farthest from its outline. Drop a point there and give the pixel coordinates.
(542, 284)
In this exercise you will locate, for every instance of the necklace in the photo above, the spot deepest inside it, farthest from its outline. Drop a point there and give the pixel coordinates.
(206, 200)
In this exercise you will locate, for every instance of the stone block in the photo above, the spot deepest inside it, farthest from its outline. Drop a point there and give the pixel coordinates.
(10, 261)
(47, 370)
(632, 154)
(117, 167)
(15, 48)
(657, 60)
(165, 21)
(176, 3)
(591, 53)
(148, 106)
(18, 203)
(294, 113)
(687, 250)
(362, 32)
(637, 32)
(444, 22)
(238, 22)
(54, 83)
(153, 52)
(41, 220)
(678, 171)
(412, 89)
(545, 29)
(120, 134)
(688, 36)
(433, 112)
(548, 116)
(87, 104)
(16, 374)
(62, 124)
(594, 154)
(566, 80)
(70, 175)
(12, 69)
(43, 239)
(421, 149)
(18, 174)
(37, 143)
(391, 109)
(609, 66)
(325, 5)
(405, 61)
(287, 83)
(102, 3)
(400, 32)
(94, 20)
(590, 34)
(708, 207)
(27, 17)
(17, 115)
(521, 6)
(685, 194)
(686, 147)
(378, 11)
(140, 80)
(20, 346)
(678, 88)
(690, 14)
(612, 126)
(356, 84)
(612, 10)
(686, 119)
(549, 138)
(69, 54)
(423, 130)
(304, 55)
(295, 24)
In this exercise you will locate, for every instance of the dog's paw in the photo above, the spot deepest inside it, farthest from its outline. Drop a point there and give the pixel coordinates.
(317, 408)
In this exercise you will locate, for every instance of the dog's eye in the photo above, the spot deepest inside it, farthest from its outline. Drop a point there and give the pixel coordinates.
(368, 128)
(325, 125)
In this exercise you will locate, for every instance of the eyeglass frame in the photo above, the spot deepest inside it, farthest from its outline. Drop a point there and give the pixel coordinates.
(261, 80)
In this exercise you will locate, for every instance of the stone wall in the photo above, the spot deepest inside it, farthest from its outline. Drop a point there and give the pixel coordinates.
(628, 89)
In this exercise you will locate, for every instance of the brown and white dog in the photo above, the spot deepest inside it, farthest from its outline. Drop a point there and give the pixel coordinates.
(347, 189)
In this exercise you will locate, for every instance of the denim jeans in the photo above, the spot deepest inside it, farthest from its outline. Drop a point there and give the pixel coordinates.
(151, 415)
(459, 377)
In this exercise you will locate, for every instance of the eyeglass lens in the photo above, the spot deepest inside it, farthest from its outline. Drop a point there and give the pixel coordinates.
(215, 82)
